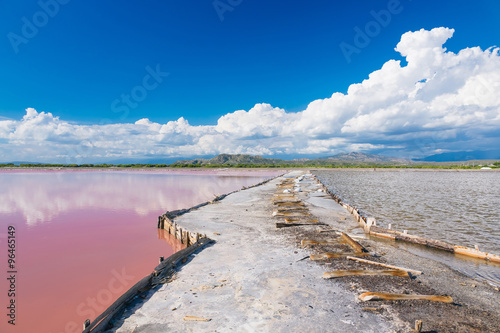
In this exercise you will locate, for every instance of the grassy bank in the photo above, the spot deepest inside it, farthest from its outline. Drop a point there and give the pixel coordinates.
(446, 165)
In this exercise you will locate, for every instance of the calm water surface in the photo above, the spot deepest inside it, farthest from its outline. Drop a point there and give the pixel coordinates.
(85, 237)
(459, 207)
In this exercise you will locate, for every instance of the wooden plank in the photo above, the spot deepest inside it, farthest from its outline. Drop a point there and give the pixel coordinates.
(285, 197)
(382, 235)
(298, 219)
(362, 272)
(283, 200)
(424, 241)
(331, 255)
(289, 203)
(389, 297)
(383, 230)
(329, 230)
(385, 265)
(396, 235)
(475, 253)
(285, 225)
(352, 243)
(294, 214)
(290, 209)
(306, 242)
(399, 236)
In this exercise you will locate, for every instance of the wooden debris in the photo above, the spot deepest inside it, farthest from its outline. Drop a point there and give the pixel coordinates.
(405, 237)
(291, 220)
(369, 309)
(476, 253)
(424, 241)
(375, 228)
(385, 265)
(284, 196)
(386, 296)
(289, 203)
(330, 255)
(311, 242)
(399, 236)
(289, 209)
(291, 214)
(355, 245)
(284, 225)
(280, 201)
(194, 318)
(382, 235)
(418, 326)
(360, 272)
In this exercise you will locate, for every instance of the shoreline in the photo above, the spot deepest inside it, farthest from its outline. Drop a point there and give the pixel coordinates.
(143, 169)
(263, 283)
(378, 168)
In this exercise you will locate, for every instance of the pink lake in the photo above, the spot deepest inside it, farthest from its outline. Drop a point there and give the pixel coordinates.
(85, 237)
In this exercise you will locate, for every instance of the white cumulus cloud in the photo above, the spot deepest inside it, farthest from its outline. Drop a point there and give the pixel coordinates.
(440, 101)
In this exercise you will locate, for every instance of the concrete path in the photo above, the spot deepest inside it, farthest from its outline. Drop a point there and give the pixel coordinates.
(251, 279)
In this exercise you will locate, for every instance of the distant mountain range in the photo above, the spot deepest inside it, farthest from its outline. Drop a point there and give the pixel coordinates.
(341, 159)
(346, 159)
(463, 156)
(353, 158)
(230, 159)
(366, 158)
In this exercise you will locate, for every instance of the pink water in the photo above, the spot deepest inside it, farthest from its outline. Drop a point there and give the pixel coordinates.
(85, 237)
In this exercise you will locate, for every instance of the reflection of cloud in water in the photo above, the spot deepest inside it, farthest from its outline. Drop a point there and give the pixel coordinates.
(41, 196)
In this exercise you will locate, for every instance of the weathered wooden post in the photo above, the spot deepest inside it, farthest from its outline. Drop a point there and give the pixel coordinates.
(86, 324)
(370, 221)
(418, 326)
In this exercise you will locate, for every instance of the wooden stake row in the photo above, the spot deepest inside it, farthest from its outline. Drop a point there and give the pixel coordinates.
(186, 237)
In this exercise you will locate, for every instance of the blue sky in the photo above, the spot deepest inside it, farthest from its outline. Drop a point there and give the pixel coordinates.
(84, 58)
